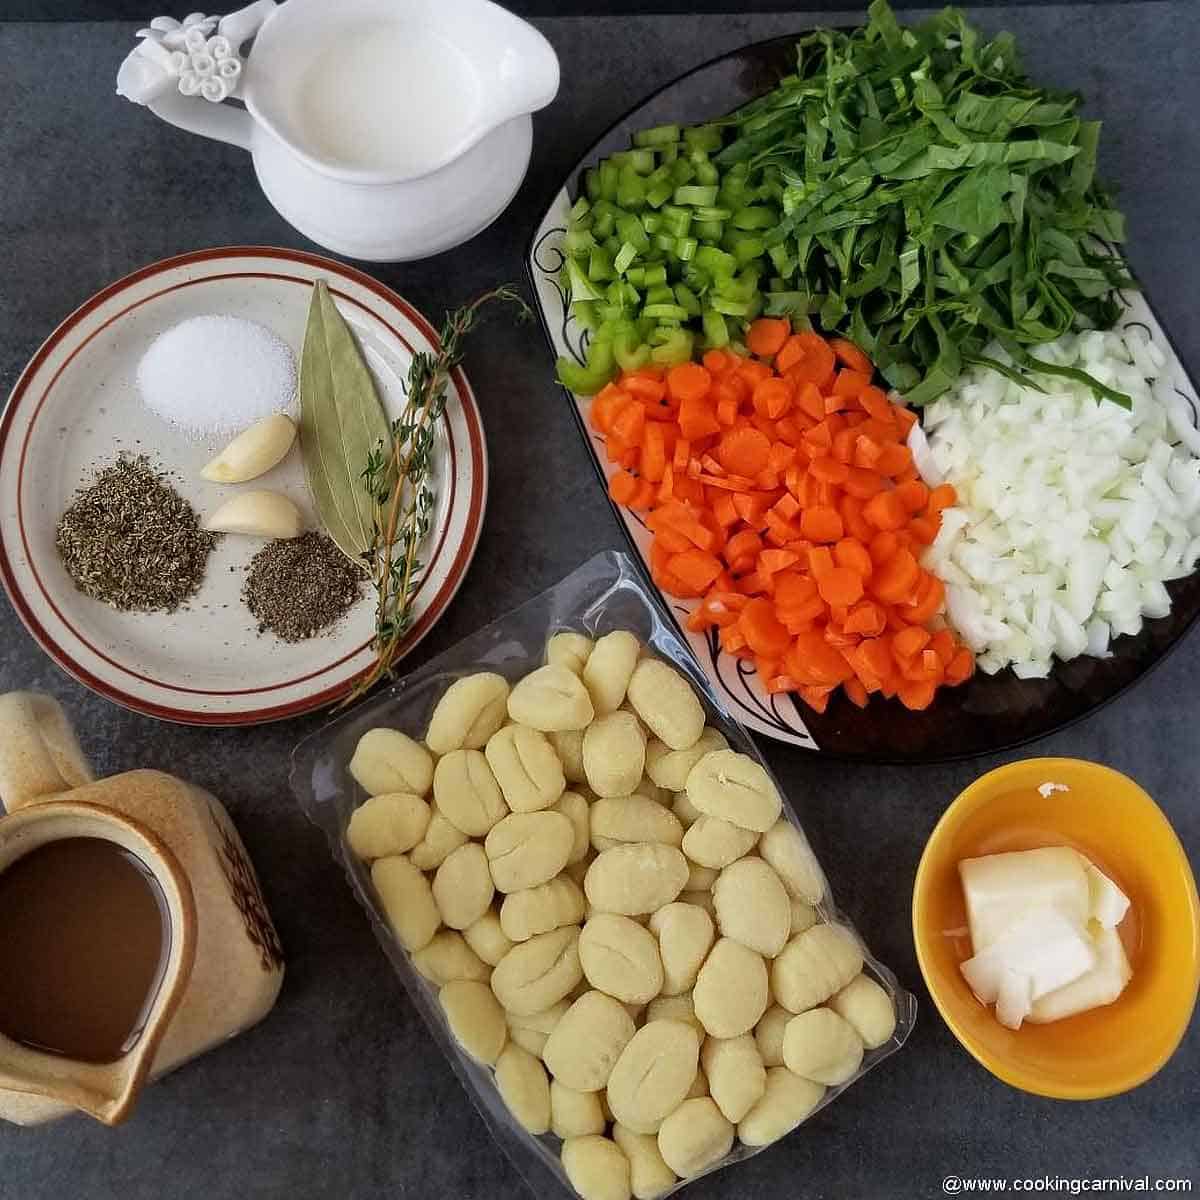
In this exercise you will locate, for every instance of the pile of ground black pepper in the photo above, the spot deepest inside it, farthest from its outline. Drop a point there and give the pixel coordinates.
(130, 540)
(297, 587)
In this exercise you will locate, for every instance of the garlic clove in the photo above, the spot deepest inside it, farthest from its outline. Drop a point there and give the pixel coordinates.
(257, 513)
(253, 452)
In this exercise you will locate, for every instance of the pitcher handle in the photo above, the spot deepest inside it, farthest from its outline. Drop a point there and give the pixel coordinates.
(184, 71)
(40, 755)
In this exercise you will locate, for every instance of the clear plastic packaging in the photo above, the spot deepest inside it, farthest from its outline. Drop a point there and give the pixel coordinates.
(604, 594)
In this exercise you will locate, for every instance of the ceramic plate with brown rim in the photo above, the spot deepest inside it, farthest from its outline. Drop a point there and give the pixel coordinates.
(76, 407)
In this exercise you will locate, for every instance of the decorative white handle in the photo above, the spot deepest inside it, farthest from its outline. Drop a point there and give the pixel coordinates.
(39, 753)
(179, 65)
(220, 121)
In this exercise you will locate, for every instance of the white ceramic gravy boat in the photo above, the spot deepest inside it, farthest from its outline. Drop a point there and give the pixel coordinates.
(384, 130)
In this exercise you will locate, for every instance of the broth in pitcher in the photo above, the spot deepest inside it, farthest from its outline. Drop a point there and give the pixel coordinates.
(83, 946)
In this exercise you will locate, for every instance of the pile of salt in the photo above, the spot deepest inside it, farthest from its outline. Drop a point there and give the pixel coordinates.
(216, 375)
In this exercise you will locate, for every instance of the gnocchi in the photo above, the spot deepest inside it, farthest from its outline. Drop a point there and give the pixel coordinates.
(653, 978)
(868, 1009)
(821, 1046)
(407, 901)
(596, 1168)
(570, 650)
(653, 1074)
(734, 787)
(786, 1101)
(526, 849)
(666, 704)
(575, 1114)
(735, 1072)
(540, 909)
(525, 767)
(386, 761)
(470, 711)
(523, 1086)
(475, 1018)
(814, 965)
(535, 974)
(649, 1175)
(685, 936)
(462, 886)
(614, 754)
(584, 1046)
(731, 991)
(635, 879)
(695, 1136)
(752, 906)
(617, 819)
(621, 958)
(392, 823)
(551, 699)
(466, 793)
(609, 667)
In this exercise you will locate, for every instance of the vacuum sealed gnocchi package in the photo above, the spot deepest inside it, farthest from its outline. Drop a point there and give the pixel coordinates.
(596, 895)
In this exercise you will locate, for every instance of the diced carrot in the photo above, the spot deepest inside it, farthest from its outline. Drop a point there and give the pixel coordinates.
(622, 487)
(843, 446)
(821, 524)
(766, 336)
(863, 482)
(683, 451)
(688, 381)
(816, 363)
(876, 404)
(850, 383)
(752, 508)
(943, 645)
(811, 402)
(645, 496)
(817, 698)
(771, 562)
(629, 423)
(697, 418)
(914, 495)
(717, 362)
(911, 641)
(865, 618)
(742, 550)
(772, 397)
(942, 497)
(732, 639)
(931, 595)
(917, 696)
(696, 568)
(814, 661)
(654, 452)
(727, 410)
(905, 418)
(648, 390)
(755, 583)
(841, 585)
(606, 404)
(894, 458)
(820, 561)
(961, 667)
(850, 552)
(724, 511)
(762, 629)
(856, 693)
(744, 451)
(782, 683)
(885, 512)
(792, 590)
(849, 355)
(894, 580)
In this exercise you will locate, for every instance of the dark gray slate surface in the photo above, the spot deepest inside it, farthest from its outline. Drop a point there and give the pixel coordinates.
(341, 1093)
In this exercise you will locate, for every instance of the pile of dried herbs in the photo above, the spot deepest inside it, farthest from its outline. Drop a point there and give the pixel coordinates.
(130, 540)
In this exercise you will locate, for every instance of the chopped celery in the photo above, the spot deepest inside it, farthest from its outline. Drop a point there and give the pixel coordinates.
(609, 176)
(696, 196)
(746, 249)
(600, 265)
(676, 221)
(685, 247)
(674, 312)
(655, 275)
(651, 221)
(702, 137)
(660, 295)
(730, 307)
(642, 161)
(664, 242)
(585, 314)
(716, 331)
(660, 135)
(657, 194)
(781, 260)
(578, 243)
(710, 212)
(682, 171)
(635, 275)
(706, 172)
(709, 258)
(628, 350)
(581, 287)
(677, 350)
(755, 216)
(588, 379)
(625, 256)
(591, 183)
(631, 188)
(687, 299)
(579, 209)
(708, 231)
(629, 229)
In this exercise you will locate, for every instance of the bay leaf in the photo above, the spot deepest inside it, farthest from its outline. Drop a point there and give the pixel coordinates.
(342, 424)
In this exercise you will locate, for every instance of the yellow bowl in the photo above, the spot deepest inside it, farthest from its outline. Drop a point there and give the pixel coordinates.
(1109, 818)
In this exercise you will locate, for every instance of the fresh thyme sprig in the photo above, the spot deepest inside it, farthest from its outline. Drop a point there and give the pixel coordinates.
(399, 479)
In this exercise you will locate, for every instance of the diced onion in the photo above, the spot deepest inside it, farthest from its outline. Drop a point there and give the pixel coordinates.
(1073, 513)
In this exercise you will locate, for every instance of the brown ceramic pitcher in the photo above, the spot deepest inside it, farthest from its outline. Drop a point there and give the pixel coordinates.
(223, 966)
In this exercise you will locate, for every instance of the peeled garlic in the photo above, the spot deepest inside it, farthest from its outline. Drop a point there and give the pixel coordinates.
(259, 514)
(253, 452)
